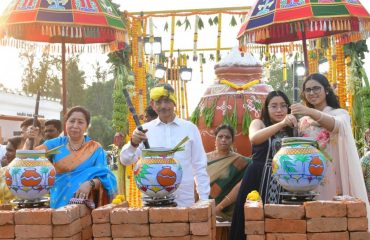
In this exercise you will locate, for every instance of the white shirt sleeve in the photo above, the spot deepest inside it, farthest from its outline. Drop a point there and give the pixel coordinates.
(130, 154)
(199, 164)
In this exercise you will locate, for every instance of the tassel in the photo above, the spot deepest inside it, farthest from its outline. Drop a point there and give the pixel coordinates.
(329, 25)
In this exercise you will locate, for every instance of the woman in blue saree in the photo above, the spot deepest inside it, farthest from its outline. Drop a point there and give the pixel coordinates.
(81, 164)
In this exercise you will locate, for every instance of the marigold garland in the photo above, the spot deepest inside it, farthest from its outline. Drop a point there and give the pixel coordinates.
(238, 87)
(341, 76)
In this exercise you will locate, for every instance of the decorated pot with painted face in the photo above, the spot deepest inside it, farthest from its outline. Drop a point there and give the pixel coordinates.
(30, 175)
(157, 173)
(299, 165)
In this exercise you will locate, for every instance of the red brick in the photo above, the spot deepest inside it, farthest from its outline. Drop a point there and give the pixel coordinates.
(328, 236)
(357, 224)
(356, 208)
(67, 230)
(326, 224)
(7, 231)
(284, 211)
(133, 238)
(130, 230)
(101, 230)
(201, 228)
(74, 237)
(66, 214)
(359, 235)
(129, 215)
(87, 233)
(285, 225)
(102, 214)
(286, 236)
(200, 211)
(103, 238)
(317, 209)
(33, 216)
(256, 237)
(33, 231)
(84, 210)
(86, 221)
(188, 237)
(168, 214)
(254, 227)
(169, 229)
(253, 210)
(6, 217)
(194, 237)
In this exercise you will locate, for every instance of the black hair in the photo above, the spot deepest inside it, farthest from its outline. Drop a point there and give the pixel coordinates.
(150, 112)
(55, 122)
(265, 117)
(227, 127)
(331, 98)
(15, 142)
(81, 109)
(29, 122)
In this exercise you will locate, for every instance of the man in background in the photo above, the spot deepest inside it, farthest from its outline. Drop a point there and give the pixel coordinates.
(52, 129)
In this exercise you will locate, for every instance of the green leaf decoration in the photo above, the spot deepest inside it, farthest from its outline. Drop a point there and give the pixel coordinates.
(233, 22)
(187, 24)
(215, 20)
(203, 60)
(200, 23)
(234, 116)
(178, 23)
(208, 113)
(246, 121)
(166, 27)
(211, 57)
(210, 22)
(53, 151)
(194, 118)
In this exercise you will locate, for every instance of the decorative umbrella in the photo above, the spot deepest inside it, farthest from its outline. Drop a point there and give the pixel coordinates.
(274, 21)
(65, 22)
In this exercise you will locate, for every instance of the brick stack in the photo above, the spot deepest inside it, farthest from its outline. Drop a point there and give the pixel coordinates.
(155, 223)
(101, 221)
(316, 220)
(69, 222)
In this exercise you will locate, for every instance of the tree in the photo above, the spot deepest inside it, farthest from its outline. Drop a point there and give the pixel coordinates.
(101, 130)
(99, 100)
(75, 83)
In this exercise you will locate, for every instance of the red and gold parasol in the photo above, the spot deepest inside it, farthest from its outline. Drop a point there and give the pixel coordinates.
(65, 22)
(274, 21)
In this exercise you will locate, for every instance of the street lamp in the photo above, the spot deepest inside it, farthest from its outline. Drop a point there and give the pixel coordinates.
(152, 45)
(186, 73)
(323, 66)
(299, 70)
(160, 71)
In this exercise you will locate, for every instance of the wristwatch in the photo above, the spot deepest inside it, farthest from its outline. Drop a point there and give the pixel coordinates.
(92, 183)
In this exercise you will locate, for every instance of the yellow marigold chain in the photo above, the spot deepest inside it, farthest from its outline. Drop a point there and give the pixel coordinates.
(238, 87)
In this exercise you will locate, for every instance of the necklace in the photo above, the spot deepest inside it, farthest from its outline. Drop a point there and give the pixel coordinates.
(77, 148)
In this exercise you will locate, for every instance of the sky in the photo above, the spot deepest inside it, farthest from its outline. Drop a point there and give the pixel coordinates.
(11, 68)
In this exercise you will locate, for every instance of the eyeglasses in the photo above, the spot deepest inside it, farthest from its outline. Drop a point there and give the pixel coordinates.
(277, 107)
(315, 89)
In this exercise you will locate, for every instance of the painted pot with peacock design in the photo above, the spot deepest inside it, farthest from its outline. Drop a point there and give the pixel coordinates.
(30, 175)
(299, 165)
(157, 173)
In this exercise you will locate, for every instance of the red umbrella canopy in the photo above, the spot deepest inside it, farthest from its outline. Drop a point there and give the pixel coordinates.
(68, 21)
(274, 21)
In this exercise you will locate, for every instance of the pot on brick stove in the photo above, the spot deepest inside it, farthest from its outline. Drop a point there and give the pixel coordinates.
(30, 175)
(157, 173)
(299, 165)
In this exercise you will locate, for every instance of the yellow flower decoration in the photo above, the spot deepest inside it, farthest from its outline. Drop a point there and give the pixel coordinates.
(121, 197)
(116, 201)
(253, 196)
(237, 87)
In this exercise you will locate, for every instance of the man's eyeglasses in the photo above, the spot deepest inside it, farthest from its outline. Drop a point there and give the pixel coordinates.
(277, 107)
(315, 89)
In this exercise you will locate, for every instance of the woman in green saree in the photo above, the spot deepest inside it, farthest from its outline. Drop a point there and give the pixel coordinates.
(225, 169)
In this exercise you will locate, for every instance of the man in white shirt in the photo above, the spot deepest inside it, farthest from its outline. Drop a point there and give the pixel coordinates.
(166, 131)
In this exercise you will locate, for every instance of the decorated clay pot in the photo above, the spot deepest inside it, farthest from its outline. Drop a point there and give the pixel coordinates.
(30, 175)
(157, 174)
(299, 165)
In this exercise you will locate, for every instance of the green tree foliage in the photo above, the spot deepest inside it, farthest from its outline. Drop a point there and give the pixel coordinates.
(98, 99)
(75, 83)
(42, 77)
(101, 130)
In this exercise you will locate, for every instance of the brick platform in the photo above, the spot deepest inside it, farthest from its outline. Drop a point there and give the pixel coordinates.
(316, 220)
